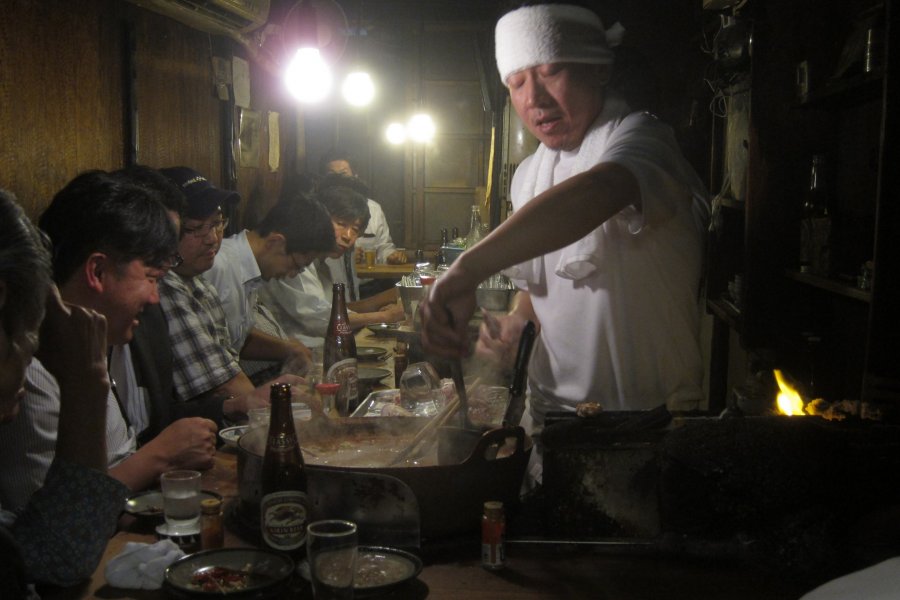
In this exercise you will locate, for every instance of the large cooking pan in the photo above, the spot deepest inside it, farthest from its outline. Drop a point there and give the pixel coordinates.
(451, 496)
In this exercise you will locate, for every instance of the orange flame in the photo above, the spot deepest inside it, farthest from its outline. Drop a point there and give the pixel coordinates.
(789, 401)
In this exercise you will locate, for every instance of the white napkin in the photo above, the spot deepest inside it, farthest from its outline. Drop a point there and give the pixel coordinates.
(142, 566)
(878, 582)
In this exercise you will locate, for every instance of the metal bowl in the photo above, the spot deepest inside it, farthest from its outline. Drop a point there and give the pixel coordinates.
(408, 295)
(494, 299)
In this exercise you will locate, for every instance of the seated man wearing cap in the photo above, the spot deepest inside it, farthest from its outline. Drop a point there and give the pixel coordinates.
(614, 218)
(206, 370)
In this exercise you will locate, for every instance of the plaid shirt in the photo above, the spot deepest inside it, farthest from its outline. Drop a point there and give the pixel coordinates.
(203, 356)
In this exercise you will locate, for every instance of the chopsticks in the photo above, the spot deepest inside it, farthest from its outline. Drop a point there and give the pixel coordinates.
(429, 429)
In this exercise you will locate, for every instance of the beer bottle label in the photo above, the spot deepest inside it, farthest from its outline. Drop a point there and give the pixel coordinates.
(284, 516)
(345, 373)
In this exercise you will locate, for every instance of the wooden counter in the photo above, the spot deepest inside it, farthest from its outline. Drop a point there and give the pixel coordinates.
(533, 571)
(383, 271)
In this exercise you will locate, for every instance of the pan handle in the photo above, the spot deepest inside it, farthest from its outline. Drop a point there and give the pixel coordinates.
(497, 437)
(520, 370)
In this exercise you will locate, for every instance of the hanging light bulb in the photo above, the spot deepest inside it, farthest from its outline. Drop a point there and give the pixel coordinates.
(358, 88)
(421, 128)
(307, 77)
(395, 133)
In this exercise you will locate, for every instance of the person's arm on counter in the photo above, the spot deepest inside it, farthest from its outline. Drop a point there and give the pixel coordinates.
(554, 219)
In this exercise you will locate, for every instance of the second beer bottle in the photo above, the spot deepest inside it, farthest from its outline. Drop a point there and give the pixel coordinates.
(285, 506)
(339, 364)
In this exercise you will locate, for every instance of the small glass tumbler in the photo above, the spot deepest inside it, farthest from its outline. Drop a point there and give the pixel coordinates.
(331, 549)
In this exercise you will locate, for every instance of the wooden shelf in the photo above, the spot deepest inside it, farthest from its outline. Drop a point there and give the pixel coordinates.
(830, 285)
(842, 93)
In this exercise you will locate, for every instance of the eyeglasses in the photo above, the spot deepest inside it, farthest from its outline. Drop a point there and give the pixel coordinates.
(174, 261)
(203, 231)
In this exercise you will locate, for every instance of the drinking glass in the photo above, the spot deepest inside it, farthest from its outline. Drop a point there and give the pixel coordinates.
(331, 549)
(370, 259)
(181, 501)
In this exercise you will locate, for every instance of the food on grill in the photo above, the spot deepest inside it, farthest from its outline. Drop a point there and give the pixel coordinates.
(588, 409)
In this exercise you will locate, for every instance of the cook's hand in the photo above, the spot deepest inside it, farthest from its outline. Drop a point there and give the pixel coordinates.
(73, 348)
(446, 313)
(188, 443)
(498, 340)
(397, 257)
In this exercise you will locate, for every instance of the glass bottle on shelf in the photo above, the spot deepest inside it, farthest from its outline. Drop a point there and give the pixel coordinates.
(339, 362)
(440, 259)
(815, 225)
(476, 231)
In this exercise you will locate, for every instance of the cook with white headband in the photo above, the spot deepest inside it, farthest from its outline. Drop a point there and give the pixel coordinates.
(605, 243)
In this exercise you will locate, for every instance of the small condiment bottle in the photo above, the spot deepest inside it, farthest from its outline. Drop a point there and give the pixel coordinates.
(328, 392)
(401, 361)
(493, 531)
(212, 532)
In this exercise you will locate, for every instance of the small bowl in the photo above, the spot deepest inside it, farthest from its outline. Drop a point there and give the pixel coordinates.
(494, 298)
(231, 435)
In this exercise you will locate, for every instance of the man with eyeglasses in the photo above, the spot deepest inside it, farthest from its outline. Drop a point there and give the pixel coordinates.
(112, 242)
(206, 371)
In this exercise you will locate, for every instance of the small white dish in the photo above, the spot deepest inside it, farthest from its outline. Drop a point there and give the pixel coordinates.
(231, 435)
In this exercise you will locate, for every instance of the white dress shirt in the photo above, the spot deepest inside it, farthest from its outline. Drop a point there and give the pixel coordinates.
(237, 278)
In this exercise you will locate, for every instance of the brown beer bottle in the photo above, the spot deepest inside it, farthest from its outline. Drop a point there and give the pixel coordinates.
(285, 506)
(339, 364)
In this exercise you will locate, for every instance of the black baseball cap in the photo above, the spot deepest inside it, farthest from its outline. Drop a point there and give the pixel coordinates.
(202, 197)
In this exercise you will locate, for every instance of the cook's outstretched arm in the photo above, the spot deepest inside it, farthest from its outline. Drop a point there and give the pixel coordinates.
(554, 219)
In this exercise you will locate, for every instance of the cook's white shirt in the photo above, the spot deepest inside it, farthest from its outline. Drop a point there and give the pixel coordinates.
(622, 328)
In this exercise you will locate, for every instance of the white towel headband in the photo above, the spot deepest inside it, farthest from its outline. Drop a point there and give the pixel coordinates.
(552, 33)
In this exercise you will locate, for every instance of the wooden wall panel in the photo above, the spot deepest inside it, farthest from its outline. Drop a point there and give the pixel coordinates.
(60, 101)
(178, 114)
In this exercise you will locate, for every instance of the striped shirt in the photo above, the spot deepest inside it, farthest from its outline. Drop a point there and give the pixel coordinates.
(28, 443)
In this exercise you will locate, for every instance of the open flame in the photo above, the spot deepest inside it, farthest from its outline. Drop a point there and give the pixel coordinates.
(789, 401)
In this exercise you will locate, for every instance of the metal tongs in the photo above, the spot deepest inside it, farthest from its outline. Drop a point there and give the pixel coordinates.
(516, 406)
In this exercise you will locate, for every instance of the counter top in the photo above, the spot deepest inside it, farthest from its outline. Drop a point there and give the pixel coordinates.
(383, 271)
(533, 571)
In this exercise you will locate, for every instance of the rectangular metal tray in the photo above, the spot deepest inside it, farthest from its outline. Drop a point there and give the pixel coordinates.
(377, 400)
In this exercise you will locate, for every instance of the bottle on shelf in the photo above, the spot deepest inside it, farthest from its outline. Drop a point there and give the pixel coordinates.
(285, 505)
(439, 258)
(340, 359)
(455, 233)
(476, 230)
(815, 225)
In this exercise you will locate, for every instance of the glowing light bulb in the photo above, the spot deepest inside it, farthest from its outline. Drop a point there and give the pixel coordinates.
(421, 128)
(307, 77)
(358, 89)
(395, 133)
